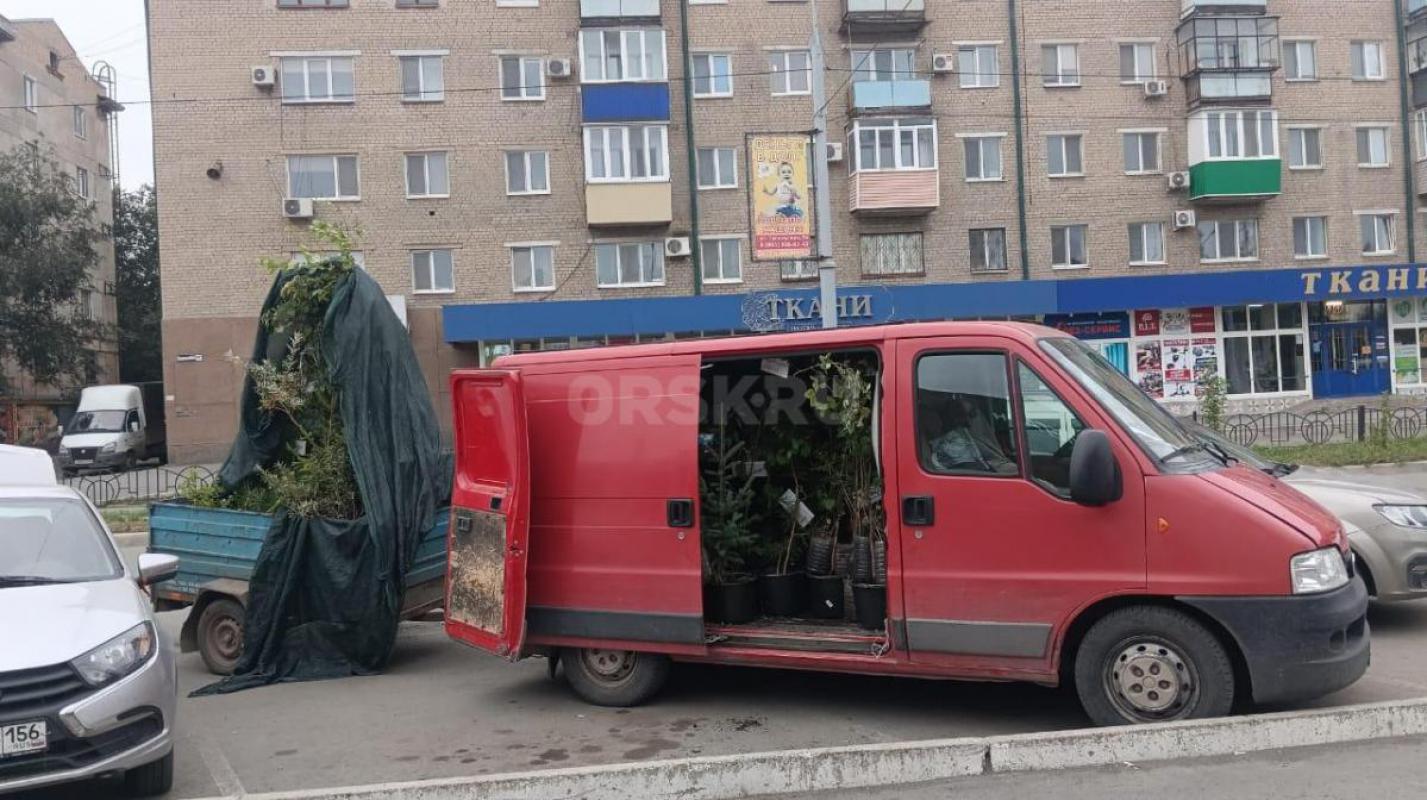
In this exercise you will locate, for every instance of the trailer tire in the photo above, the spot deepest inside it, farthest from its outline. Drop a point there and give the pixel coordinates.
(618, 678)
(220, 635)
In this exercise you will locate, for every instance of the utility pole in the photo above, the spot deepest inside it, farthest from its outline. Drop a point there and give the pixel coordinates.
(690, 145)
(822, 211)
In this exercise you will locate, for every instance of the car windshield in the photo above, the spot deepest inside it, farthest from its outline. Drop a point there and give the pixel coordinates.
(52, 540)
(1156, 430)
(1234, 450)
(96, 422)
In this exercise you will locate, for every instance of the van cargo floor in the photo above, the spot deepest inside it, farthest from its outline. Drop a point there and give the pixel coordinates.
(813, 635)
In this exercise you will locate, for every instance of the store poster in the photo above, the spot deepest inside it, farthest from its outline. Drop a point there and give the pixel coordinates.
(1201, 320)
(1149, 368)
(1178, 368)
(1205, 350)
(1174, 321)
(782, 216)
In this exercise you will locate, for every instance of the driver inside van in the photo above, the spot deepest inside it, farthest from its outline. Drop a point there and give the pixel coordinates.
(960, 438)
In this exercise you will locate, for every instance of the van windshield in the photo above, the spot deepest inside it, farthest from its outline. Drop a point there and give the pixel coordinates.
(52, 540)
(1156, 430)
(97, 422)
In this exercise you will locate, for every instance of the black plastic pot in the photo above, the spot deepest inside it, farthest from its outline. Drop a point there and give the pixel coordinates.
(879, 561)
(825, 597)
(782, 595)
(819, 559)
(861, 560)
(732, 603)
(869, 601)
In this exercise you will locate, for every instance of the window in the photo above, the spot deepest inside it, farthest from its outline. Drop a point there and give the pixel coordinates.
(1366, 58)
(1137, 62)
(32, 94)
(81, 123)
(629, 264)
(721, 260)
(1241, 134)
(1229, 240)
(1146, 242)
(988, 249)
(1377, 231)
(431, 271)
(963, 415)
(1051, 429)
(418, 3)
(1141, 151)
(426, 175)
(615, 54)
(1372, 146)
(716, 168)
(1067, 246)
(713, 75)
(527, 172)
(317, 79)
(323, 177)
(888, 144)
(892, 254)
(532, 267)
(883, 65)
(1419, 124)
(1310, 237)
(423, 78)
(84, 309)
(1300, 61)
(790, 71)
(626, 153)
(1305, 148)
(977, 66)
(522, 78)
(983, 157)
(81, 182)
(1060, 65)
(1063, 155)
(1263, 348)
(797, 270)
(311, 3)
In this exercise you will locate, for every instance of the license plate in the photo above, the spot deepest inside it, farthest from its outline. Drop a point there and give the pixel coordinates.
(84, 461)
(25, 737)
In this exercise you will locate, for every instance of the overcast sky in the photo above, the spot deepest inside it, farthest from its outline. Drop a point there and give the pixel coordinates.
(113, 31)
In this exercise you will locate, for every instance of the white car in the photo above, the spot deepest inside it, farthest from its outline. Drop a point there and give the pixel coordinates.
(88, 687)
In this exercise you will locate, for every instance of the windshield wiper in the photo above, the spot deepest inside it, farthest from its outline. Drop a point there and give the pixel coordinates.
(29, 580)
(1219, 452)
(1184, 451)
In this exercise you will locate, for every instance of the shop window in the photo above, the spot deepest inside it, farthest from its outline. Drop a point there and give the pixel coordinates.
(1409, 339)
(1264, 348)
(963, 415)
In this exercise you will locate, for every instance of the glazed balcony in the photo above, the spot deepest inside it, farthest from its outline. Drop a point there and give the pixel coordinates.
(883, 16)
(624, 102)
(629, 204)
(597, 12)
(879, 96)
(1192, 7)
(1228, 59)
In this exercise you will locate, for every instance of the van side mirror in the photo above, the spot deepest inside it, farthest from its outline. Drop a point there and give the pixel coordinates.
(156, 568)
(1094, 473)
(133, 426)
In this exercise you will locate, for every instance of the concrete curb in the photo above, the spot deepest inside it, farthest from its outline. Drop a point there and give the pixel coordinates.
(811, 770)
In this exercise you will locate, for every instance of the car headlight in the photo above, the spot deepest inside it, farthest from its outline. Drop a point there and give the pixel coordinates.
(117, 657)
(108, 448)
(1404, 516)
(1318, 571)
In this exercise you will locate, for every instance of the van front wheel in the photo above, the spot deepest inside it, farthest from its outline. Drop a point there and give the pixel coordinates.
(1152, 664)
(614, 677)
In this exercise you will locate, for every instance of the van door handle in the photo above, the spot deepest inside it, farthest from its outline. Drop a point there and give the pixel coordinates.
(680, 512)
(918, 510)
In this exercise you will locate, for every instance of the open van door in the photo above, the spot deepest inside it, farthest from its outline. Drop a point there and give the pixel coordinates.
(490, 510)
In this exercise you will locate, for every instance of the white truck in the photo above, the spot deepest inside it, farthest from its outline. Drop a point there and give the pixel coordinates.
(115, 427)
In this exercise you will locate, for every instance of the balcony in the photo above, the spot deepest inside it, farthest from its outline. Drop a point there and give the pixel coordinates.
(1238, 181)
(883, 16)
(1233, 156)
(894, 192)
(628, 204)
(612, 11)
(1191, 7)
(906, 94)
(1228, 59)
(624, 102)
(1416, 8)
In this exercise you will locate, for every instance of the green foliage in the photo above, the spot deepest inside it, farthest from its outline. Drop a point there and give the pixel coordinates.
(1380, 434)
(1211, 402)
(136, 285)
(1341, 454)
(727, 526)
(840, 391)
(252, 495)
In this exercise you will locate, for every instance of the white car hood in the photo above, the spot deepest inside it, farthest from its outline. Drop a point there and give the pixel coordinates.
(53, 623)
(88, 439)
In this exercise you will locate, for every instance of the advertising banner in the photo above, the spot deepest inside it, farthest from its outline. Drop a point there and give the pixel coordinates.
(778, 171)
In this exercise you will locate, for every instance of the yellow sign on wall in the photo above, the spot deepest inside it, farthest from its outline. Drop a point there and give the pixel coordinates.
(782, 212)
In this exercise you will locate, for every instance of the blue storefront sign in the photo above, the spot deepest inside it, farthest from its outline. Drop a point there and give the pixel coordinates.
(1102, 325)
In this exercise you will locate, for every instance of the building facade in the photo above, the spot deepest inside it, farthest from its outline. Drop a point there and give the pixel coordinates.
(49, 99)
(1200, 187)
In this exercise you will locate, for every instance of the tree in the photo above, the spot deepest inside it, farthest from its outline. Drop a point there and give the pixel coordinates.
(49, 240)
(136, 267)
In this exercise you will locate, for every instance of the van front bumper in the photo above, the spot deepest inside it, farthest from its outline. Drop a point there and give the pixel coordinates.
(1297, 647)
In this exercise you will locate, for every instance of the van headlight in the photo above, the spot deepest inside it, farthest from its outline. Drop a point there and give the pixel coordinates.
(108, 448)
(117, 657)
(1318, 571)
(1404, 516)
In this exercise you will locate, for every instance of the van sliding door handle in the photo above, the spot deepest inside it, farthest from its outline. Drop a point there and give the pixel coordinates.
(680, 513)
(918, 510)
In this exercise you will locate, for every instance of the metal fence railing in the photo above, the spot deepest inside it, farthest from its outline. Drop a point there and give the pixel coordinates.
(138, 486)
(1353, 424)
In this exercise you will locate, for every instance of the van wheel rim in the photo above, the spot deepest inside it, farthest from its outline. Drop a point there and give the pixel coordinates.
(227, 638)
(1150, 680)
(610, 666)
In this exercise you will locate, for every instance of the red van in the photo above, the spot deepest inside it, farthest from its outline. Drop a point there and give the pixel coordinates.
(1072, 532)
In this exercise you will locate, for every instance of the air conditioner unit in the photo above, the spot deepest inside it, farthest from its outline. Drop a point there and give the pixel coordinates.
(1178, 180)
(263, 77)
(1184, 218)
(676, 246)
(558, 68)
(943, 63)
(1156, 88)
(297, 208)
(834, 152)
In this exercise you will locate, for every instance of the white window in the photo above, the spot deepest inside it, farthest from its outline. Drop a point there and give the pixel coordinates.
(1146, 242)
(977, 66)
(622, 54)
(886, 64)
(713, 75)
(1229, 240)
(790, 71)
(1263, 348)
(1241, 134)
(890, 144)
(311, 3)
(1141, 152)
(527, 172)
(988, 249)
(983, 157)
(81, 123)
(522, 78)
(629, 264)
(317, 79)
(721, 260)
(1060, 65)
(616, 153)
(1310, 237)
(1063, 157)
(716, 166)
(1068, 246)
(1372, 146)
(423, 78)
(1300, 61)
(1377, 232)
(1419, 124)
(1305, 148)
(532, 267)
(81, 182)
(1366, 58)
(1137, 62)
(797, 270)
(84, 308)
(892, 254)
(32, 94)
(431, 271)
(323, 177)
(427, 176)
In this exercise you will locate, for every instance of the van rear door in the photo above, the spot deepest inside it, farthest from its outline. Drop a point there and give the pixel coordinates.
(490, 508)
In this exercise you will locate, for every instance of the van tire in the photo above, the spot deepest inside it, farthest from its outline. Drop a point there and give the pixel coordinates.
(153, 778)
(617, 678)
(220, 635)
(1126, 649)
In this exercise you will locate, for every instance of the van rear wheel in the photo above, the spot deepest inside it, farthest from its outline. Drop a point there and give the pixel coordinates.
(1151, 664)
(614, 677)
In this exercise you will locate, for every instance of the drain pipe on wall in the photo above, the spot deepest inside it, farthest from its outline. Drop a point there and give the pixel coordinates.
(1409, 190)
(695, 251)
(1020, 140)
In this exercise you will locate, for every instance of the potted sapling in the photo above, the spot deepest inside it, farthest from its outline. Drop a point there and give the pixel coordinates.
(727, 532)
(781, 592)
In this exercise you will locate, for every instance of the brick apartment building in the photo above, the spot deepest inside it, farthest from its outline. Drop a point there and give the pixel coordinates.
(49, 99)
(1197, 186)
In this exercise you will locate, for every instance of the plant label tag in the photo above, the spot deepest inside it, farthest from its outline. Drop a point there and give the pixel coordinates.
(805, 515)
(776, 366)
(757, 469)
(789, 501)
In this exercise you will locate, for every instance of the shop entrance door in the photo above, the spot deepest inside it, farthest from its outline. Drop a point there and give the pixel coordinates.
(1350, 358)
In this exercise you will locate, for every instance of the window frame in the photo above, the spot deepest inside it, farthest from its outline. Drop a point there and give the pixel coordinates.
(1308, 236)
(1065, 138)
(985, 251)
(981, 139)
(1012, 395)
(514, 249)
(781, 71)
(81, 183)
(719, 243)
(80, 123)
(976, 49)
(718, 171)
(1285, 45)
(1214, 134)
(862, 64)
(1144, 228)
(425, 156)
(894, 127)
(1294, 131)
(711, 58)
(1368, 129)
(423, 94)
(1019, 409)
(525, 162)
(522, 60)
(627, 163)
(1277, 333)
(336, 175)
(1056, 79)
(1140, 152)
(307, 59)
(1238, 223)
(921, 251)
(1419, 119)
(624, 64)
(31, 89)
(1391, 226)
(307, 4)
(1066, 228)
(1137, 79)
(1361, 46)
(431, 268)
(655, 248)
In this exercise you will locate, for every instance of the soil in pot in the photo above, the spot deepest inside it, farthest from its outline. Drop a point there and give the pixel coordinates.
(732, 603)
(782, 595)
(869, 601)
(825, 599)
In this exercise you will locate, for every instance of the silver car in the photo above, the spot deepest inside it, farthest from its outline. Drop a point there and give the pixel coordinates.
(88, 687)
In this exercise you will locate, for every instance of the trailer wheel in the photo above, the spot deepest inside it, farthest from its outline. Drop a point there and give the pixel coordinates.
(220, 635)
(1152, 664)
(614, 677)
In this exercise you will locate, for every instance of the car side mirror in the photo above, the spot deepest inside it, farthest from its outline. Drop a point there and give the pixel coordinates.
(133, 426)
(1094, 473)
(156, 568)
